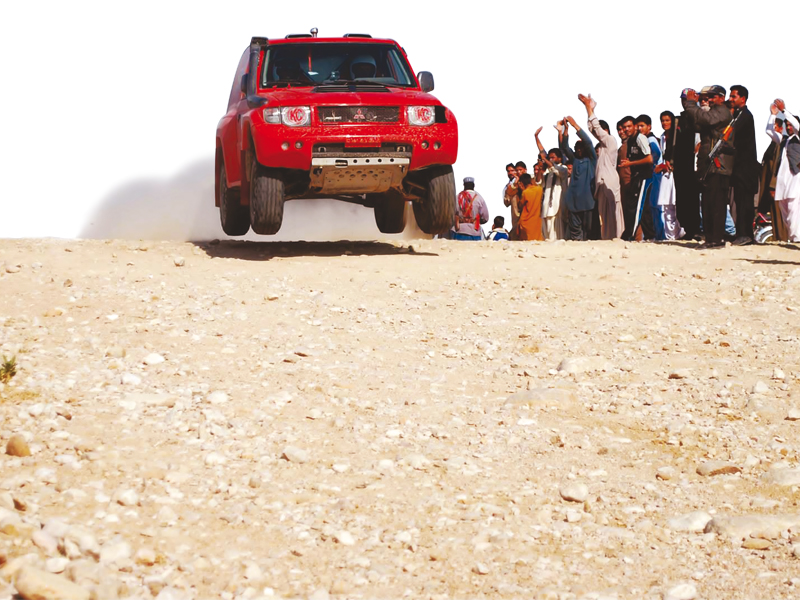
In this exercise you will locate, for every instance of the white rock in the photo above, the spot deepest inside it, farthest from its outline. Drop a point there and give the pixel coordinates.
(215, 458)
(760, 388)
(217, 398)
(115, 551)
(45, 541)
(682, 591)
(294, 454)
(33, 584)
(153, 359)
(130, 379)
(319, 594)
(417, 461)
(665, 473)
(179, 261)
(693, 521)
(793, 414)
(126, 497)
(745, 526)
(345, 538)
(145, 556)
(480, 569)
(574, 491)
(784, 477)
(56, 565)
(253, 572)
(583, 364)
(169, 593)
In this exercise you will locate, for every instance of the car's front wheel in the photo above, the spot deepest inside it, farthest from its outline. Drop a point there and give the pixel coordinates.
(390, 212)
(234, 218)
(267, 196)
(435, 212)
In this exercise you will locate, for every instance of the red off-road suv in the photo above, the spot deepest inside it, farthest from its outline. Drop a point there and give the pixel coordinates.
(342, 118)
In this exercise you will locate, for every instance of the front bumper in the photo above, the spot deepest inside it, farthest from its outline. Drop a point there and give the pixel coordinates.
(285, 147)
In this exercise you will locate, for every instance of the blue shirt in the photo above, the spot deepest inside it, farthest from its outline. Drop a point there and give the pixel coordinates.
(580, 193)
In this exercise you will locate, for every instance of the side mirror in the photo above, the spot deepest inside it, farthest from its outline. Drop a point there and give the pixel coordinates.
(243, 86)
(425, 81)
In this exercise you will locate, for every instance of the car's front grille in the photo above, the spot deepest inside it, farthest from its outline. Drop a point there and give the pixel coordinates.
(336, 115)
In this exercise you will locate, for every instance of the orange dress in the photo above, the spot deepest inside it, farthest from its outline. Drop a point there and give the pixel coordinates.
(530, 220)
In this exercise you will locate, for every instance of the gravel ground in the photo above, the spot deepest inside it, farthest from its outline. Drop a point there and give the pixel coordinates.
(382, 420)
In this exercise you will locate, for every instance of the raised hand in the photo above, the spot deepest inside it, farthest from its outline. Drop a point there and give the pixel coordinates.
(587, 101)
(538, 131)
(780, 104)
(773, 108)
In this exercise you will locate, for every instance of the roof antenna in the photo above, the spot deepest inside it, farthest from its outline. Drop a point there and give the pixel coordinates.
(314, 32)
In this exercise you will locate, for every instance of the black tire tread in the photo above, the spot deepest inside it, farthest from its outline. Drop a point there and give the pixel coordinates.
(267, 194)
(436, 212)
(234, 218)
(390, 212)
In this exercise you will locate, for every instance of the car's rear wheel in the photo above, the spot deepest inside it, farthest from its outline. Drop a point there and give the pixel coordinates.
(390, 212)
(267, 195)
(436, 211)
(234, 218)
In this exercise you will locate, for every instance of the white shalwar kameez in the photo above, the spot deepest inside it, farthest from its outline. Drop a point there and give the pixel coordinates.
(787, 185)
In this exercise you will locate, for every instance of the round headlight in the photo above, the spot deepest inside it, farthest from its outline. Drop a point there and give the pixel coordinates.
(421, 115)
(296, 116)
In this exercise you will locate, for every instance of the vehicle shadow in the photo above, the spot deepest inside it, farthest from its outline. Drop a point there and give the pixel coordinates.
(250, 250)
(769, 261)
(181, 208)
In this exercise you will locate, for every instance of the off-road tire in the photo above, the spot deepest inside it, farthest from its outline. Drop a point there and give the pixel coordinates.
(390, 212)
(234, 218)
(267, 195)
(435, 214)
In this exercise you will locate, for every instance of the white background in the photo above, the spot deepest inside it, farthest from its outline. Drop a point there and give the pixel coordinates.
(110, 109)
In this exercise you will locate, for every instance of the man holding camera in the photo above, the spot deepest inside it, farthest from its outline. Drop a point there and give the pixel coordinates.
(715, 171)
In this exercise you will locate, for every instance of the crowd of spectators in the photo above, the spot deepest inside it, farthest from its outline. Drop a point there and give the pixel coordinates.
(700, 180)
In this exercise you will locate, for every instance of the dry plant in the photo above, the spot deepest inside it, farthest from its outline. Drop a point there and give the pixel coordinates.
(8, 369)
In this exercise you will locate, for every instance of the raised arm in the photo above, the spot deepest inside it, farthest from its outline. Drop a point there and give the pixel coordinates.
(774, 135)
(563, 142)
(542, 153)
(589, 146)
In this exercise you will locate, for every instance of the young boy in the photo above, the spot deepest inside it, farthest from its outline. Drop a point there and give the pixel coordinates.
(530, 218)
(498, 232)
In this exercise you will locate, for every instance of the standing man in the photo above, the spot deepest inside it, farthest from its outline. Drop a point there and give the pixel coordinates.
(606, 187)
(650, 201)
(745, 166)
(579, 199)
(510, 193)
(715, 172)
(623, 172)
(472, 212)
(555, 181)
(640, 161)
(787, 183)
(687, 193)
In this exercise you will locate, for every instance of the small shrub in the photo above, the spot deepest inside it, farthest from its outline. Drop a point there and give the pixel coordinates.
(8, 369)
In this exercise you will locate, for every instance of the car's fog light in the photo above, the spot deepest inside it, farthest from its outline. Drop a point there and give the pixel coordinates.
(436, 145)
(298, 145)
(424, 145)
(285, 146)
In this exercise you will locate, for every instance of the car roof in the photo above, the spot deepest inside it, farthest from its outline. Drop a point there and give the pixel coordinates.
(319, 40)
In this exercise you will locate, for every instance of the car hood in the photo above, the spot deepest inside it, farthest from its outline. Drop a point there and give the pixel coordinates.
(306, 96)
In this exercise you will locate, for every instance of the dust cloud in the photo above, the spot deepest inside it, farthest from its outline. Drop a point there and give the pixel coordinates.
(182, 209)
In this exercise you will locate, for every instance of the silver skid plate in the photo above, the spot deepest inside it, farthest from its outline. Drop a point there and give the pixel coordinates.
(361, 175)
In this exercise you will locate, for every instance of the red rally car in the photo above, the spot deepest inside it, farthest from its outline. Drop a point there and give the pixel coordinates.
(342, 118)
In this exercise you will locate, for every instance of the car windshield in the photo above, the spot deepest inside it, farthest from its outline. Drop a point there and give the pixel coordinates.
(316, 64)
